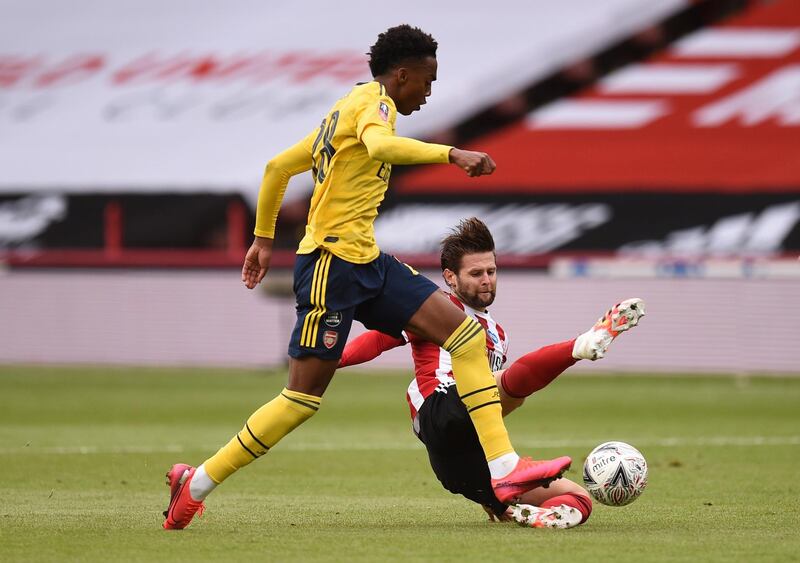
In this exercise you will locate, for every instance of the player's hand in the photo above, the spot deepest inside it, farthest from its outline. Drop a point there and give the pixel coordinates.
(493, 517)
(256, 262)
(472, 162)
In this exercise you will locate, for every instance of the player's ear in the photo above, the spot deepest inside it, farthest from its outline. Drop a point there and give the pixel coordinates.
(402, 75)
(449, 277)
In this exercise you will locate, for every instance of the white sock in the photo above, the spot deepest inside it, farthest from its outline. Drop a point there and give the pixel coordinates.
(201, 484)
(502, 466)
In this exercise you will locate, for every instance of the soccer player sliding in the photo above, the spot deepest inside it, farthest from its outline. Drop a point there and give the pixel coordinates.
(341, 275)
(441, 420)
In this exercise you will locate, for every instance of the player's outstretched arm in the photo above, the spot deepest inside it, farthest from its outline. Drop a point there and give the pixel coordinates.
(256, 261)
(382, 145)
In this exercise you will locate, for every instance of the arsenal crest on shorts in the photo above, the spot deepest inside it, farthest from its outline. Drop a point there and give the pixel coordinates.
(330, 338)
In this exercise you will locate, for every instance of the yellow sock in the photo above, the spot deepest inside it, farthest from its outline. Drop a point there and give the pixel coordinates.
(477, 387)
(263, 430)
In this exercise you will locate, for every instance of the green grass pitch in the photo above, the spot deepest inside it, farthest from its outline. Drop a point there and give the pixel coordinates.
(83, 452)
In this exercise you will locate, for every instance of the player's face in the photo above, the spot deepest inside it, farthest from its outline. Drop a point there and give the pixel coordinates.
(414, 81)
(476, 281)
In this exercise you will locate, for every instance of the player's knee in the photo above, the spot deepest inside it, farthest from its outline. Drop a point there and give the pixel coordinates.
(510, 402)
(468, 340)
(302, 405)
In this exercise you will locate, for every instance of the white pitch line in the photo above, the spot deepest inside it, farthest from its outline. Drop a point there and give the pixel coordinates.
(674, 442)
(700, 441)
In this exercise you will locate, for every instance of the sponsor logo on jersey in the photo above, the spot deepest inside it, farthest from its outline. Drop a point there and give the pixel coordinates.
(333, 318)
(496, 360)
(383, 111)
(330, 338)
(384, 171)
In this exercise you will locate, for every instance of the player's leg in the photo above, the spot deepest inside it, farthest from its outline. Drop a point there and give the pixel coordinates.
(508, 402)
(539, 368)
(297, 402)
(263, 430)
(532, 372)
(541, 495)
(315, 347)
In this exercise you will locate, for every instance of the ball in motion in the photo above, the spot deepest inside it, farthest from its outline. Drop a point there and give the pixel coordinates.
(615, 473)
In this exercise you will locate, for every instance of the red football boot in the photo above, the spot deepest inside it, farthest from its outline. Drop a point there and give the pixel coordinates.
(182, 507)
(527, 475)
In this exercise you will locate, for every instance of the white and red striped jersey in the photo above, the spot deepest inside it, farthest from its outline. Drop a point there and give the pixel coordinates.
(433, 367)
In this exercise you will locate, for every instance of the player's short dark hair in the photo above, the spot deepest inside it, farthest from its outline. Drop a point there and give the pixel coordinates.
(469, 237)
(399, 44)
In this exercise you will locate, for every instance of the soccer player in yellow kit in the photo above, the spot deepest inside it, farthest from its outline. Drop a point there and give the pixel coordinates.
(340, 275)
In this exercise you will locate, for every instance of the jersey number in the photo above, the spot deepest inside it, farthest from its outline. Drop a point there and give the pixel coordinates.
(326, 151)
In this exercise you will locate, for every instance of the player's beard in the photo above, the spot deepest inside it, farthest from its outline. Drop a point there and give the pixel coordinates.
(478, 300)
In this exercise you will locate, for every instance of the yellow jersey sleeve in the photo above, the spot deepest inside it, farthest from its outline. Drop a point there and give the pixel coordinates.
(385, 147)
(294, 160)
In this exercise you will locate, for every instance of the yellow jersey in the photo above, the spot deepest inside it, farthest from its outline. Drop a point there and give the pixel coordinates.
(350, 156)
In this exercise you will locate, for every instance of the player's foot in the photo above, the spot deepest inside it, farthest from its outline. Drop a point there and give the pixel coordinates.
(175, 477)
(182, 507)
(593, 344)
(527, 475)
(561, 516)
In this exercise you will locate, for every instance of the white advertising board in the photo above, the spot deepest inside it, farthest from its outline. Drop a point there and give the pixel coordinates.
(196, 95)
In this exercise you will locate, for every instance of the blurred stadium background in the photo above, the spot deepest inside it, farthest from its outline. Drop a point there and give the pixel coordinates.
(647, 148)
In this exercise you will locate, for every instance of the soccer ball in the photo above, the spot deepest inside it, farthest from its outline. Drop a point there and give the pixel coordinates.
(615, 473)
